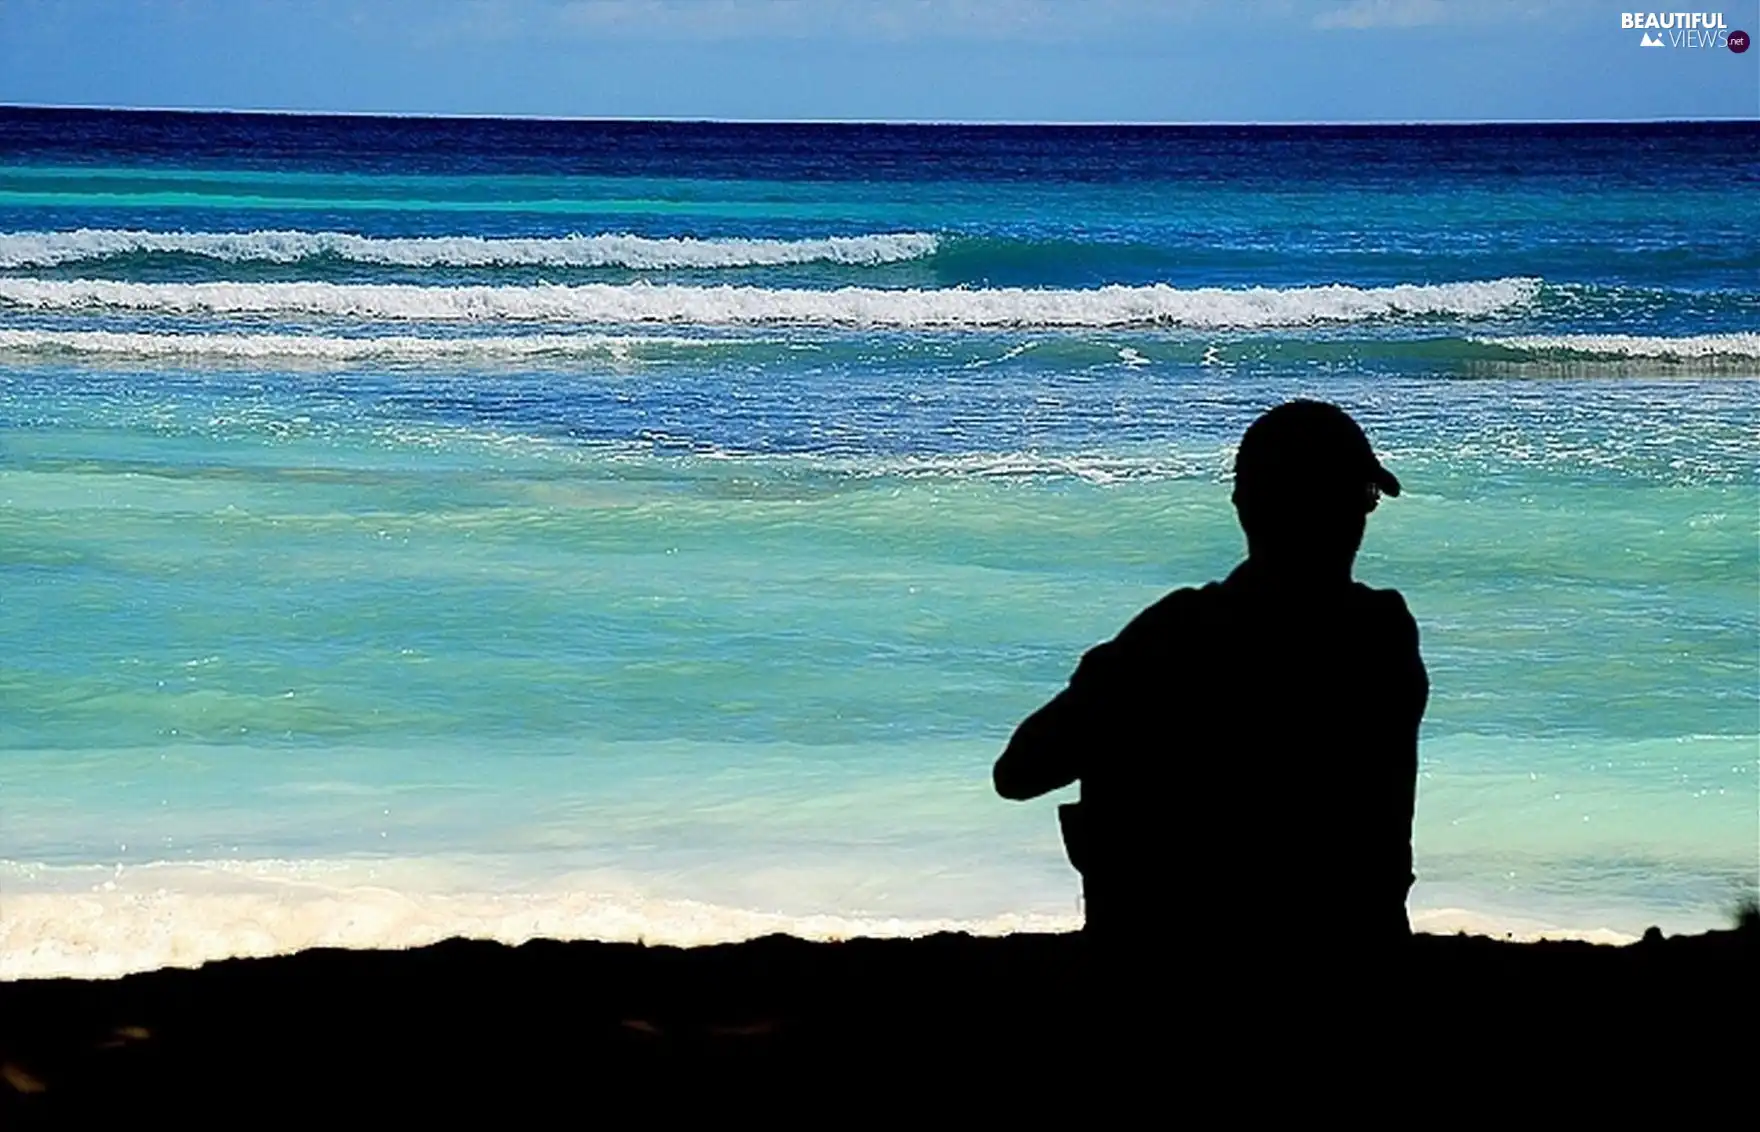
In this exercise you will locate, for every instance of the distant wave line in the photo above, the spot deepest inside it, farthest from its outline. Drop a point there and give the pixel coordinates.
(50, 249)
(1744, 344)
(639, 303)
(109, 343)
(1708, 353)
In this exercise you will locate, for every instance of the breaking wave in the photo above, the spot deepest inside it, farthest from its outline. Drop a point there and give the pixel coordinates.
(948, 308)
(1614, 346)
(307, 347)
(1708, 355)
(51, 249)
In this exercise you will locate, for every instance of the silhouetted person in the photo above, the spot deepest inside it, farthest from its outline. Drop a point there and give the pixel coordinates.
(1247, 751)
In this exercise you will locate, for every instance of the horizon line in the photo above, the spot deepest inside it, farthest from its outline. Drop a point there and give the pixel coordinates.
(1007, 122)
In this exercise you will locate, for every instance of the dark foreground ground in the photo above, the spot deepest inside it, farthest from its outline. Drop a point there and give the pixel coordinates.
(481, 1028)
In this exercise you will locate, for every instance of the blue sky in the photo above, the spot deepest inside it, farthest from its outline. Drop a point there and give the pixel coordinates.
(935, 60)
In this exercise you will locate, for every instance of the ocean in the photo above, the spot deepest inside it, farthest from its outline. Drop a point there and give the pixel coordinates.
(415, 528)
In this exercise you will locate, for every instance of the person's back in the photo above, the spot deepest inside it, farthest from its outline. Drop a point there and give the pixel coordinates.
(1247, 751)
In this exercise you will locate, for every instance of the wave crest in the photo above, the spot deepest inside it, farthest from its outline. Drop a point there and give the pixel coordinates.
(51, 249)
(1616, 346)
(861, 307)
(308, 347)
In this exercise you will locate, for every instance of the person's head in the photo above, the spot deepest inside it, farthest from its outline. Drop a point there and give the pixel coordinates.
(1305, 480)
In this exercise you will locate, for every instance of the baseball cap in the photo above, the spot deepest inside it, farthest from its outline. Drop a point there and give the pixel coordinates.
(1307, 443)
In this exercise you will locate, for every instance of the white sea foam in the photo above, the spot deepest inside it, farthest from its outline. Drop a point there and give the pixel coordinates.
(108, 921)
(1522, 929)
(95, 922)
(1034, 465)
(319, 348)
(1697, 346)
(642, 303)
(48, 249)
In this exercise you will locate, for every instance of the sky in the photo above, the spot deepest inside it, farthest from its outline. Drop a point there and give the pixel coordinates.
(880, 60)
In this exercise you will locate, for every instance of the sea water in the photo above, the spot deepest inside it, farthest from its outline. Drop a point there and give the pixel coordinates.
(627, 530)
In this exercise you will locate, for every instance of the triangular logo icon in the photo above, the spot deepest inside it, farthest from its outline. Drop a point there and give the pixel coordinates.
(1649, 41)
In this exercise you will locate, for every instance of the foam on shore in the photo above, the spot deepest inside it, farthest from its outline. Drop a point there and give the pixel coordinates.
(105, 922)
(1522, 929)
(101, 922)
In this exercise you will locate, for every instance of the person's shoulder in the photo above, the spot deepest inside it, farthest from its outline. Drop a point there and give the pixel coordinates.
(1174, 622)
(1388, 608)
(1148, 639)
(1177, 608)
(1387, 600)
(1392, 635)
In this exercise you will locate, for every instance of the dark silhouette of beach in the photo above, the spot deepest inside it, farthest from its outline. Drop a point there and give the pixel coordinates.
(476, 1026)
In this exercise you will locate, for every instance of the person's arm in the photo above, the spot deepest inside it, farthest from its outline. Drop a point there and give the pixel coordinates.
(1053, 746)
(1045, 752)
(1056, 744)
(1401, 768)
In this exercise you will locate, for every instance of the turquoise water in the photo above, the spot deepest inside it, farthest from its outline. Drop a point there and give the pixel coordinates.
(618, 552)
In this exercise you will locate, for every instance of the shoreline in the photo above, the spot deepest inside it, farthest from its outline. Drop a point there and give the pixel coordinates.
(463, 1020)
(115, 924)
